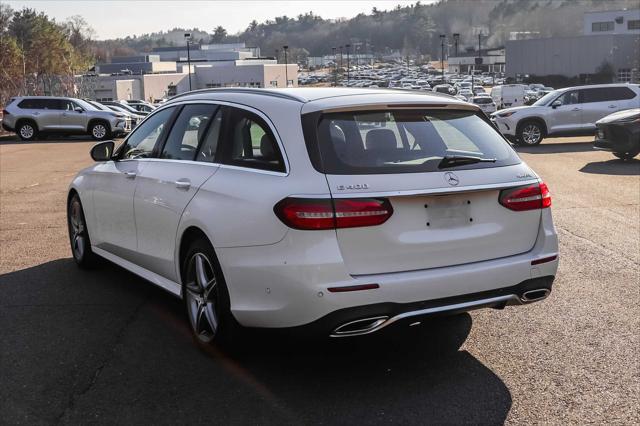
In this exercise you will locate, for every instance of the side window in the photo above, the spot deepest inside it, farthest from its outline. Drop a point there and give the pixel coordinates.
(250, 143)
(570, 98)
(188, 131)
(209, 144)
(599, 94)
(55, 104)
(622, 93)
(141, 142)
(66, 105)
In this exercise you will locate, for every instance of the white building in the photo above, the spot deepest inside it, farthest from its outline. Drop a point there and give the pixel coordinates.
(612, 22)
(165, 72)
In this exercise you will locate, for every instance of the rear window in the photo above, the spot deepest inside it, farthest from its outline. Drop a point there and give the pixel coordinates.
(403, 141)
(482, 100)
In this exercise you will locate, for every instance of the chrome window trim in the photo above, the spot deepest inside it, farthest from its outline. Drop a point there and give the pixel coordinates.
(438, 191)
(233, 105)
(210, 164)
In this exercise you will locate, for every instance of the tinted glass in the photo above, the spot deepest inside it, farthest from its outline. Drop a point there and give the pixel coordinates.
(39, 104)
(405, 141)
(622, 93)
(250, 142)
(67, 105)
(209, 144)
(141, 142)
(570, 98)
(187, 132)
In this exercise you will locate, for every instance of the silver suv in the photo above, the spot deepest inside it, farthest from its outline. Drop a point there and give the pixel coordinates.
(29, 116)
(566, 112)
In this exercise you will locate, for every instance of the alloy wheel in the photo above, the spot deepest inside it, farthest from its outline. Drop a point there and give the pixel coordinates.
(201, 294)
(531, 134)
(99, 131)
(26, 131)
(78, 235)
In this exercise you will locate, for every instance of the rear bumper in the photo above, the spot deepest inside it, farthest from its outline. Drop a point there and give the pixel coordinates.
(287, 284)
(362, 320)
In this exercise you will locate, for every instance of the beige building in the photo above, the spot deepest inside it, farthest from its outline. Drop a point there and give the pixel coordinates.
(240, 73)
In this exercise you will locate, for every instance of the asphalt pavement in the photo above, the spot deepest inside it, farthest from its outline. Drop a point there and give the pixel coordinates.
(105, 347)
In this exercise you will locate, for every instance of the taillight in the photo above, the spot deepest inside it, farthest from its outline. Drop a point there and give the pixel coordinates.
(5, 112)
(530, 197)
(325, 213)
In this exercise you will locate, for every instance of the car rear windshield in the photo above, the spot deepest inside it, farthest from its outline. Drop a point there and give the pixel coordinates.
(403, 141)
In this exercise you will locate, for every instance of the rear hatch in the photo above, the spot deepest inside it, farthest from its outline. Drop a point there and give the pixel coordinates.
(443, 212)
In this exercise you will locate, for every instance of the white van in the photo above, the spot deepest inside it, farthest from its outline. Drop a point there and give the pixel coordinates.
(508, 95)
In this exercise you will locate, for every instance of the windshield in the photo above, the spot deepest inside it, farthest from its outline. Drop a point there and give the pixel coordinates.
(99, 106)
(86, 105)
(406, 141)
(543, 101)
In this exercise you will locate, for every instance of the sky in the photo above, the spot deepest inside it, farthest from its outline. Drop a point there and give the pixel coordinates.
(119, 18)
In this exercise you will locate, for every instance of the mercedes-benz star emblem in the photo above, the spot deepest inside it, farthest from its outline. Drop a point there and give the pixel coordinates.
(451, 179)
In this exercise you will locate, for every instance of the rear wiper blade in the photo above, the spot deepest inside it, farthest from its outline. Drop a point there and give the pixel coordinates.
(459, 160)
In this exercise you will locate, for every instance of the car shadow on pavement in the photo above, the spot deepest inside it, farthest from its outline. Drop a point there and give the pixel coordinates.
(613, 167)
(104, 344)
(556, 148)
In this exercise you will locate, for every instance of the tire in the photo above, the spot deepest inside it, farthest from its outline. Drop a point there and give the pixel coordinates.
(530, 133)
(100, 131)
(79, 234)
(206, 297)
(27, 131)
(626, 156)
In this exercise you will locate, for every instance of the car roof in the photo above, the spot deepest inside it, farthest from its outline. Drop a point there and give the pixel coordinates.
(323, 98)
(307, 94)
(596, 86)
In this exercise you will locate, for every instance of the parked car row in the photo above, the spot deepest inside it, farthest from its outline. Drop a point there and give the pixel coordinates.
(578, 111)
(31, 116)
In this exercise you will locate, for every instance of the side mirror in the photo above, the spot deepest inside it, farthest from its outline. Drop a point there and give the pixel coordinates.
(555, 104)
(102, 151)
(78, 109)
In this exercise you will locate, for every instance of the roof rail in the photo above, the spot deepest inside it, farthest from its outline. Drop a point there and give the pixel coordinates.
(263, 92)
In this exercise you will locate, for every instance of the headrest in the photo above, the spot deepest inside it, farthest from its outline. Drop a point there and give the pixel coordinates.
(381, 140)
(266, 148)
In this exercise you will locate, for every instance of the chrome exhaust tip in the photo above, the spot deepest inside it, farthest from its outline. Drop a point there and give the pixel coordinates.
(535, 295)
(359, 327)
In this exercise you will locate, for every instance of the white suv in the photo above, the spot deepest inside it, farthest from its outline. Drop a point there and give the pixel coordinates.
(341, 211)
(566, 112)
(30, 116)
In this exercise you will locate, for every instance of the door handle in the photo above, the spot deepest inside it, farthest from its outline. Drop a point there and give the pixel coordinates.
(130, 175)
(612, 106)
(576, 109)
(183, 184)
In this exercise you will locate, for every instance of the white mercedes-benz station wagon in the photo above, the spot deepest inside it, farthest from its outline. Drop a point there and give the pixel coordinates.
(333, 211)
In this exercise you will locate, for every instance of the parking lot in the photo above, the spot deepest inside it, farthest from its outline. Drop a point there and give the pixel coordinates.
(104, 346)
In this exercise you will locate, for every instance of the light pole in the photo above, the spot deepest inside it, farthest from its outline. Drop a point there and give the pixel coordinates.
(348, 46)
(286, 67)
(335, 67)
(456, 39)
(277, 56)
(442, 37)
(187, 36)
